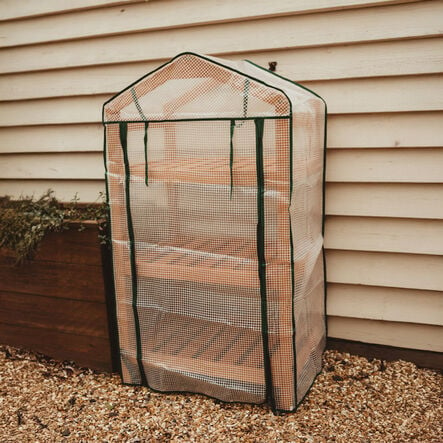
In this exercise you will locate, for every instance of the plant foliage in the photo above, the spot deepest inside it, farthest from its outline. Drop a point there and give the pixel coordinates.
(25, 222)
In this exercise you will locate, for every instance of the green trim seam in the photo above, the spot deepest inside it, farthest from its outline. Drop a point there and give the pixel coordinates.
(202, 119)
(145, 143)
(259, 127)
(137, 104)
(134, 283)
(113, 334)
(246, 97)
(231, 156)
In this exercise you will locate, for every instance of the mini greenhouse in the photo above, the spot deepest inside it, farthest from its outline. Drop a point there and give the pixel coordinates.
(215, 175)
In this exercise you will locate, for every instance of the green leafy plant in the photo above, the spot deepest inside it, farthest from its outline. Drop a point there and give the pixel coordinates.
(25, 222)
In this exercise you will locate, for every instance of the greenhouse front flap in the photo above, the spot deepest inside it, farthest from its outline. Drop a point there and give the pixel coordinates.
(215, 173)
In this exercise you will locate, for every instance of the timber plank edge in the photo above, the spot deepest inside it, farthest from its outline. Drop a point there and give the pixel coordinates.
(85, 351)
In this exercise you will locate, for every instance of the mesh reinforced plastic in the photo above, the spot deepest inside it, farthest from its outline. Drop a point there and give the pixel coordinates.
(214, 179)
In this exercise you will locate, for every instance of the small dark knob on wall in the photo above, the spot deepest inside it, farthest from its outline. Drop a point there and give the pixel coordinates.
(272, 66)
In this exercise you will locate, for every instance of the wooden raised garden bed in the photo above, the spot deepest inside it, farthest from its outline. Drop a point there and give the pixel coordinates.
(55, 303)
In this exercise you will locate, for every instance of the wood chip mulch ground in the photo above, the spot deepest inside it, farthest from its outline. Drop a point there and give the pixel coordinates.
(352, 400)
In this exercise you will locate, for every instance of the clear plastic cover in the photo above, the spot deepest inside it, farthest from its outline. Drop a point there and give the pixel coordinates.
(215, 184)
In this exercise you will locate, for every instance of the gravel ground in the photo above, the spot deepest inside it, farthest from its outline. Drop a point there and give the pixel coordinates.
(353, 399)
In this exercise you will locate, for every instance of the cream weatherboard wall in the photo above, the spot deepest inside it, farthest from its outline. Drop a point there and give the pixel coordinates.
(378, 64)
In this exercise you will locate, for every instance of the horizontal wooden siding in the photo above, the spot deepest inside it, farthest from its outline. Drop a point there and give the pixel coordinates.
(378, 65)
